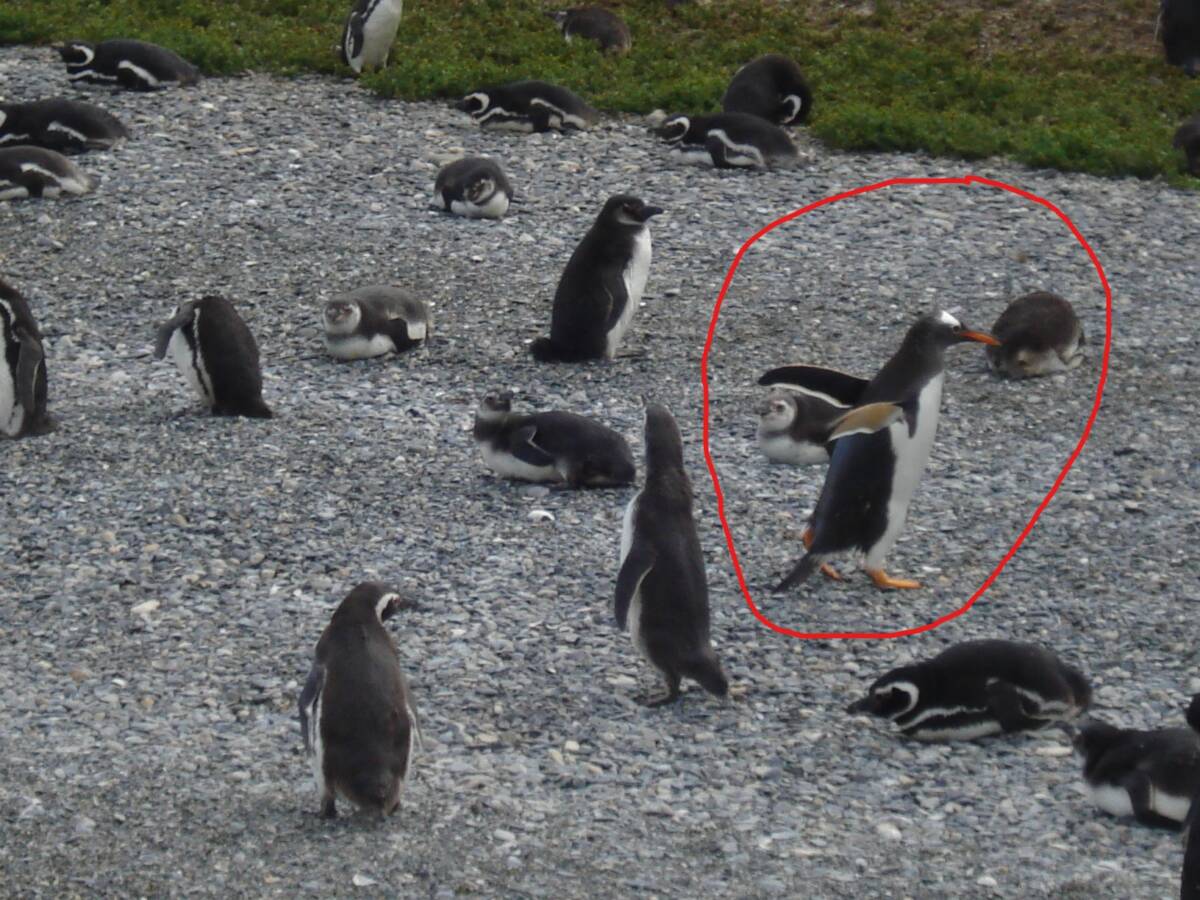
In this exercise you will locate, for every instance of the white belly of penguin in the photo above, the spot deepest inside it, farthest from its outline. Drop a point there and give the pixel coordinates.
(379, 33)
(493, 208)
(508, 466)
(1113, 800)
(356, 346)
(782, 448)
(196, 374)
(634, 616)
(317, 757)
(637, 270)
(12, 414)
(741, 155)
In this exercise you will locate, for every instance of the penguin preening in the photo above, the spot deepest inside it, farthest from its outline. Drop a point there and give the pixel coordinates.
(22, 368)
(976, 689)
(800, 430)
(369, 33)
(526, 107)
(373, 321)
(475, 187)
(59, 124)
(37, 172)
(216, 353)
(601, 286)
(662, 587)
(356, 714)
(771, 87)
(135, 65)
(550, 446)
(1179, 22)
(594, 23)
(728, 141)
(1187, 139)
(1039, 334)
(872, 476)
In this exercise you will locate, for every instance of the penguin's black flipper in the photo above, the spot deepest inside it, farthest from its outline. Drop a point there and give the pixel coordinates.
(523, 448)
(163, 335)
(799, 573)
(637, 566)
(352, 36)
(1141, 795)
(308, 696)
(1189, 888)
(829, 385)
(1010, 707)
(614, 288)
(31, 357)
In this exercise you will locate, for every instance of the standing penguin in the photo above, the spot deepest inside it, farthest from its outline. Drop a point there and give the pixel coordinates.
(601, 286)
(1179, 21)
(1187, 139)
(728, 140)
(22, 368)
(217, 355)
(800, 430)
(475, 187)
(1039, 334)
(369, 33)
(373, 321)
(36, 172)
(771, 87)
(594, 23)
(59, 124)
(357, 718)
(872, 477)
(662, 587)
(527, 107)
(135, 65)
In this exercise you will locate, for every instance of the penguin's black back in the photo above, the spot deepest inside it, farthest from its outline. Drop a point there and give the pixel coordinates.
(452, 180)
(1038, 321)
(960, 673)
(1170, 756)
(567, 435)
(163, 64)
(758, 89)
(230, 356)
(1181, 33)
(100, 128)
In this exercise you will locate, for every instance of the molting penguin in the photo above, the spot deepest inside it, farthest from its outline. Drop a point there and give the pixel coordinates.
(728, 141)
(37, 172)
(63, 125)
(475, 187)
(872, 477)
(550, 446)
(217, 355)
(978, 688)
(800, 430)
(1187, 139)
(22, 368)
(1179, 21)
(771, 87)
(601, 286)
(356, 715)
(373, 321)
(528, 106)
(131, 64)
(662, 588)
(594, 23)
(369, 33)
(1039, 334)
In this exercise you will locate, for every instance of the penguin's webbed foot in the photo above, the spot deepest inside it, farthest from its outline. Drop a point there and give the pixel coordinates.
(826, 569)
(328, 807)
(884, 581)
(831, 573)
(664, 700)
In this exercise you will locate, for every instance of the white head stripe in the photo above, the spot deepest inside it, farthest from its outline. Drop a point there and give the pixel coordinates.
(946, 319)
(382, 602)
(905, 687)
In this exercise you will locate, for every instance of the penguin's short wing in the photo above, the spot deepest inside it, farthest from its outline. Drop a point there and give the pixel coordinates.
(612, 286)
(634, 569)
(352, 36)
(31, 358)
(829, 385)
(312, 690)
(866, 419)
(163, 336)
(522, 446)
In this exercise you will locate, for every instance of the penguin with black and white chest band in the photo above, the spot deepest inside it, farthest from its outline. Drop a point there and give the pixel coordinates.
(1187, 139)
(22, 368)
(475, 187)
(800, 430)
(550, 446)
(662, 588)
(771, 87)
(1039, 334)
(36, 172)
(356, 713)
(594, 23)
(527, 107)
(728, 141)
(872, 476)
(135, 65)
(373, 321)
(1179, 24)
(369, 33)
(976, 689)
(601, 286)
(67, 126)
(216, 353)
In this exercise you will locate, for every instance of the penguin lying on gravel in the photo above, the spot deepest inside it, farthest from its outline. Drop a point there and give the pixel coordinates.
(64, 125)
(1039, 334)
(36, 172)
(369, 33)
(475, 187)
(373, 321)
(135, 65)
(1187, 139)
(356, 715)
(728, 141)
(800, 430)
(22, 368)
(550, 446)
(1179, 22)
(771, 87)
(594, 23)
(526, 107)
(978, 688)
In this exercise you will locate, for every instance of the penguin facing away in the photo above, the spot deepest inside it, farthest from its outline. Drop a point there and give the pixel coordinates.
(976, 689)
(771, 87)
(135, 65)
(373, 321)
(728, 140)
(36, 172)
(527, 107)
(662, 588)
(872, 476)
(596, 24)
(801, 430)
(475, 187)
(1187, 139)
(369, 33)
(1179, 21)
(217, 355)
(601, 286)
(23, 388)
(1039, 334)
(66, 126)
(357, 717)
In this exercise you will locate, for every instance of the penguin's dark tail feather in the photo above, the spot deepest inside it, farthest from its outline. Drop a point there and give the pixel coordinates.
(706, 671)
(544, 350)
(799, 573)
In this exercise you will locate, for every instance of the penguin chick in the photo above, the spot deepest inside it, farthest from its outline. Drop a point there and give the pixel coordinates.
(800, 430)
(550, 446)
(373, 321)
(728, 141)
(357, 718)
(22, 368)
(36, 172)
(662, 587)
(1187, 139)
(978, 688)
(475, 187)
(771, 87)
(369, 33)
(1179, 22)
(65, 126)
(527, 107)
(1039, 334)
(135, 65)
(594, 23)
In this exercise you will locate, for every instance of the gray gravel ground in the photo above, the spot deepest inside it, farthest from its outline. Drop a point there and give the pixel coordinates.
(165, 578)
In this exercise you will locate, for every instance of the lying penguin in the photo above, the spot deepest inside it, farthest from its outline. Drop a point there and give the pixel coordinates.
(728, 141)
(594, 23)
(135, 65)
(374, 321)
(475, 187)
(1039, 334)
(36, 172)
(801, 430)
(528, 107)
(66, 126)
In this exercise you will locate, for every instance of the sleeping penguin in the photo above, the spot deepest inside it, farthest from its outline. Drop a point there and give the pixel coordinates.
(594, 23)
(528, 107)
(771, 87)
(1179, 22)
(67, 126)
(373, 321)
(22, 368)
(728, 140)
(36, 172)
(1187, 139)
(1039, 334)
(801, 430)
(475, 187)
(369, 33)
(135, 65)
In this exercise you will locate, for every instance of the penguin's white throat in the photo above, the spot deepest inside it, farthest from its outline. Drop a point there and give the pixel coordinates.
(342, 319)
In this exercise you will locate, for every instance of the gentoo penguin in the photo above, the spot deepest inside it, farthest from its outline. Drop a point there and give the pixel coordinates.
(728, 141)
(550, 446)
(63, 125)
(771, 87)
(872, 477)
(1187, 139)
(37, 172)
(601, 286)
(369, 33)
(1150, 775)
(800, 430)
(475, 187)
(594, 23)
(131, 64)
(372, 321)
(662, 588)
(1039, 334)
(356, 715)
(217, 355)
(22, 368)
(527, 106)
(1189, 887)
(978, 688)
(1179, 21)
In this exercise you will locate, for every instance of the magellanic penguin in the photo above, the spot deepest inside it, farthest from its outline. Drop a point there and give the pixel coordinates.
(475, 187)
(728, 141)
(594, 23)
(369, 33)
(135, 65)
(373, 321)
(22, 368)
(662, 587)
(1179, 24)
(550, 446)
(37, 172)
(528, 106)
(356, 715)
(1187, 139)
(800, 430)
(217, 355)
(1039, 334)
(67, 126)
(771, 87)
(978, 688)
(1150, 775)
(601, 286)
(872, 477)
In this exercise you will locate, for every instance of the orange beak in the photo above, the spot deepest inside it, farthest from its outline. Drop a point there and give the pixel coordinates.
(981, 336)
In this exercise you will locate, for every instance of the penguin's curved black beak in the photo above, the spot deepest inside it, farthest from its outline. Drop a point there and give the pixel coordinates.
(865, 705)
(647, 211)
(981, 337)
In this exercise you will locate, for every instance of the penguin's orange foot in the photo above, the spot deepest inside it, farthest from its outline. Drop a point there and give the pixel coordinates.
(831, 573)
(886, 582)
